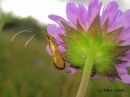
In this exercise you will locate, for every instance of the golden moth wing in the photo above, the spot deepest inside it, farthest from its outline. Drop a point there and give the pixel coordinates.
(58, 60)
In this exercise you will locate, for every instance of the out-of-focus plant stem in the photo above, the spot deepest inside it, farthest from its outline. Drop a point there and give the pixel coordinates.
(85, 77)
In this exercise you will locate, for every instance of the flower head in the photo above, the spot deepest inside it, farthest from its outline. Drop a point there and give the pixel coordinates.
(91, 31)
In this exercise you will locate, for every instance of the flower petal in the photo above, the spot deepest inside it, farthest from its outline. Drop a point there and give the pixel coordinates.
(124, 19)
(59, 41)
(121, 69)
(93, 3)
(111, 12)
(57, 19)
(126, 42)
(126, 56)
(125, 34)
(48, 50)
(110, 78)
(61, 48)
(93, 10)
(71, 12)
(125, 78)
(82, 16)
(54, 31)
(72, 70)
(123, 73)
(124, 37)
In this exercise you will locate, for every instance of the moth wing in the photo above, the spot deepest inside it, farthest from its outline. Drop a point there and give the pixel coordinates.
(58, 60)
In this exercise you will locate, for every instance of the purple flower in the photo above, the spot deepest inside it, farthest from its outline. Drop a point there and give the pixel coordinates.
(91, 31)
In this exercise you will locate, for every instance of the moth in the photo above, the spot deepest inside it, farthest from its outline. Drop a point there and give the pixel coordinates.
(56, 56)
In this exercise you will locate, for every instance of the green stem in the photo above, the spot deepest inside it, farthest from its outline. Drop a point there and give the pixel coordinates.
(85, 78)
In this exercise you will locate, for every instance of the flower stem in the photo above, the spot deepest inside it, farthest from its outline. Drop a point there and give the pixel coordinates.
(85, 77)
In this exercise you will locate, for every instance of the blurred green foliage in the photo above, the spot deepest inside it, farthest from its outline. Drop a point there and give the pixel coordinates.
(29, 72)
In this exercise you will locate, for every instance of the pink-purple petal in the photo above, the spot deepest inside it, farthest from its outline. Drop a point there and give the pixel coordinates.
(72, 70)
(126, 56)
(72, 12)
(93, 3)
(82, 16)
(110, 78)
(124, 37)
(108, 11)
(57, 19)
(112, 21)
(54, 31)
(121, 69)
(125, 34)
(126, 42)
(61, 48)
(111, 12)
(59, 41)
(48, 50)
(125, 78)
(123, 72)
(93, 10)
(123, 20)
(60, 44)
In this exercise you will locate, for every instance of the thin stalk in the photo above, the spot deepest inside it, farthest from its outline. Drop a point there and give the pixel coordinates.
(85, 78)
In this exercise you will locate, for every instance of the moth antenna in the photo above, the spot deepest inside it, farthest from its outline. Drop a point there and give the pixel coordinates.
(27, 42)
(14, 36)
